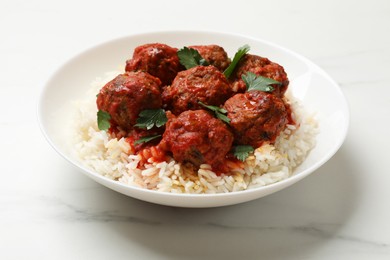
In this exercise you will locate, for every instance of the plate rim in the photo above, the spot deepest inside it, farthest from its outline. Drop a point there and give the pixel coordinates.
(274, 186)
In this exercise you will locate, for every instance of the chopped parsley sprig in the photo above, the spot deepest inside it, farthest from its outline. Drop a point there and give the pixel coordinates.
(256, 82)
(190, 58)
(103, 120)
(149, 118)
(241, 152)
(219, 112)
(146, 139)
(237, 57)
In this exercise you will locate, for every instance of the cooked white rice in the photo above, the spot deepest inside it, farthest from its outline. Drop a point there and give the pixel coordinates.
(114, 158)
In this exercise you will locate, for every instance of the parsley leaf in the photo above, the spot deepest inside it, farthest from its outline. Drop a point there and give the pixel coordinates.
(146, 139)
(190, 58)
(255, 82)
(151, 117)
(219, 112)
(241, 152)
(237, 57)
(103, 120)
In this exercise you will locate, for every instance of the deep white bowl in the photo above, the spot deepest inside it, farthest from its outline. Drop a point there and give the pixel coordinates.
(318, 92)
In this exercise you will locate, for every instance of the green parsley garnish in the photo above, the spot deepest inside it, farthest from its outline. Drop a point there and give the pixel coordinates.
(190, 58)
(237, 57)
(219, 112)
(146, 139)
(151, 117)
(241, 152)
(103, 120)
(255, 82)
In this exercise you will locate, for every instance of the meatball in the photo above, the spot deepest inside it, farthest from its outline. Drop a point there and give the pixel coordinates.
(127, 95)
(213, 54)
(159, 60)
(256, 117)
(263, 67)
(197, 137)
(202, 83)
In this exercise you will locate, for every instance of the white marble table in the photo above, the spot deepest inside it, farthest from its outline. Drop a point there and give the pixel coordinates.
(48, 210)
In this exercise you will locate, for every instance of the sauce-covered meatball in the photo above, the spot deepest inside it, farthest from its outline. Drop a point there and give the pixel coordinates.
(256, 117)
(259, 66)
(215, 55)
(127, 95)
(197, 137)
(159, 60)
(202, 83)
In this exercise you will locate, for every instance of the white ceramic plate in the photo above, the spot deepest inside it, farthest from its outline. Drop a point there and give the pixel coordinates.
(308, 82)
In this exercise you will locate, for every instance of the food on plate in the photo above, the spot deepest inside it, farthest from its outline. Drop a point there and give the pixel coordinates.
(196, 137)
(124, 97)
(192, 120)
(256, 117)
(215, 55)
(262, 67)
(159, 60)
(199, 84)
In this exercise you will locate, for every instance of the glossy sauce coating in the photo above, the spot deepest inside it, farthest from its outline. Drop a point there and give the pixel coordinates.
(202, 83)
(127, 95)
(197, 137)
(259, 66)
(256, 117)
(215, 55)
(159, 60)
